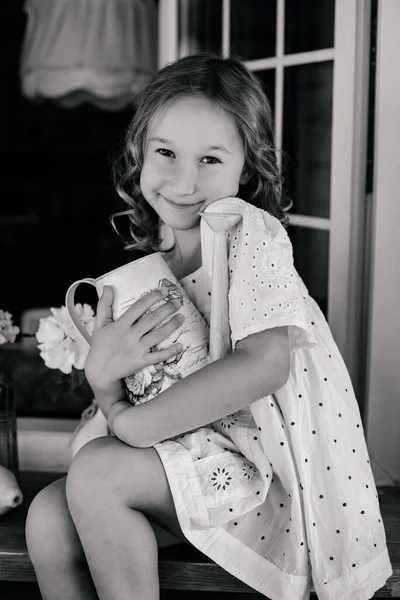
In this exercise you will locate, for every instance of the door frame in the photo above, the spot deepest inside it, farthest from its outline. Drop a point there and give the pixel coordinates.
(383, 325)
(350, 56)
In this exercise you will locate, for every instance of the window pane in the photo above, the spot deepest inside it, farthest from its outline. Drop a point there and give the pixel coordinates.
(311, 259)
(309, 25)
(253, 29)
(306, 140)
(204, 25)
(267, 77)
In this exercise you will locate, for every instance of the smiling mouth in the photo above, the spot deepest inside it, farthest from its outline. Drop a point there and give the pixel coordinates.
(180, 206)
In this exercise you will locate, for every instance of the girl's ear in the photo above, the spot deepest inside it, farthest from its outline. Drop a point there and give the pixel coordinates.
(245, 176)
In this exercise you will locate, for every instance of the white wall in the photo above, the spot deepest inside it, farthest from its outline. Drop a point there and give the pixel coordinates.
(383, 384)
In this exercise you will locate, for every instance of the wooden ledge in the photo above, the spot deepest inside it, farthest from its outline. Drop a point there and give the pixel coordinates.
(181, 567)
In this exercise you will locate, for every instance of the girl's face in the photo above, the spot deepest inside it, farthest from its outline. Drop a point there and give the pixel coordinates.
(193, 157)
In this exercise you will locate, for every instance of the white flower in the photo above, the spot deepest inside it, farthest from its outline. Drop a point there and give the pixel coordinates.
(8, 331)
(61, 345)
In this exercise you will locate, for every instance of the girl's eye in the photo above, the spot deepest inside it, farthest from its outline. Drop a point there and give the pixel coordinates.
(211, 160)
(208, 160)
(164, 152)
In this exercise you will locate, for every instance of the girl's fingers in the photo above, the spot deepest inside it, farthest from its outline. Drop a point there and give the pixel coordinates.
(153, 358)
(104, 308)
(156, 336)
(153, 319)
(138, 308)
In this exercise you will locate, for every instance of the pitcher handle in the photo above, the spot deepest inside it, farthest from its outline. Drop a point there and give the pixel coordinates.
(70, 305)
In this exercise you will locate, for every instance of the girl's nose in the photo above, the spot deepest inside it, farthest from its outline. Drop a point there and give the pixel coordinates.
(183, 180)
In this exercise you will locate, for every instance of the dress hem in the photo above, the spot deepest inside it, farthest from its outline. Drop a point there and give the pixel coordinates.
(222, 547)
(247, 565)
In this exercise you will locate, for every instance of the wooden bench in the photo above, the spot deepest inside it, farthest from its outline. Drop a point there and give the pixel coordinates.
(181, 567)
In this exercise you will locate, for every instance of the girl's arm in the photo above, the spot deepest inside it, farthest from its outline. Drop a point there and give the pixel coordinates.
(258, 367)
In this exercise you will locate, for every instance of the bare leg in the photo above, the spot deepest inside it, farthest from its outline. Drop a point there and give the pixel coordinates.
(113, 491)
(54, 547)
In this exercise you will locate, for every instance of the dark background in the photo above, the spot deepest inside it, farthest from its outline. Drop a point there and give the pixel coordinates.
(56, 187)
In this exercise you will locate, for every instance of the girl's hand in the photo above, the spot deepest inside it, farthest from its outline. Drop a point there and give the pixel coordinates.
(122, 347)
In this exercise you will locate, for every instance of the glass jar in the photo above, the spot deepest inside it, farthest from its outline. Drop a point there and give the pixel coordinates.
(8, 426)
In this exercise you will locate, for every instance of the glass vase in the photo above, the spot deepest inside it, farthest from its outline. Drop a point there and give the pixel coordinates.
(8, 426)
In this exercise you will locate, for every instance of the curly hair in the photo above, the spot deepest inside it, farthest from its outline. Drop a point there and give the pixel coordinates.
(231, 87)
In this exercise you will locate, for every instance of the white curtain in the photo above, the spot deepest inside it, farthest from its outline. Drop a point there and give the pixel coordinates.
(97, 51)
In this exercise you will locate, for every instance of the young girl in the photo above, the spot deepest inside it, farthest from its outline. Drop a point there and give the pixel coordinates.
(259, 458)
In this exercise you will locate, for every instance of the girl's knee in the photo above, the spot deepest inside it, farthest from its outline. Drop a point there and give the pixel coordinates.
(89, 473)
(49, 530)
(45, 508)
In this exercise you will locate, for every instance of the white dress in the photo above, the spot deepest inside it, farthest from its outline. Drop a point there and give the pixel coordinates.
(281, 494)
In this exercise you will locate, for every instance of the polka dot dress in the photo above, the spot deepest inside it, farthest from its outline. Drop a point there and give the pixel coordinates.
(281, 494)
